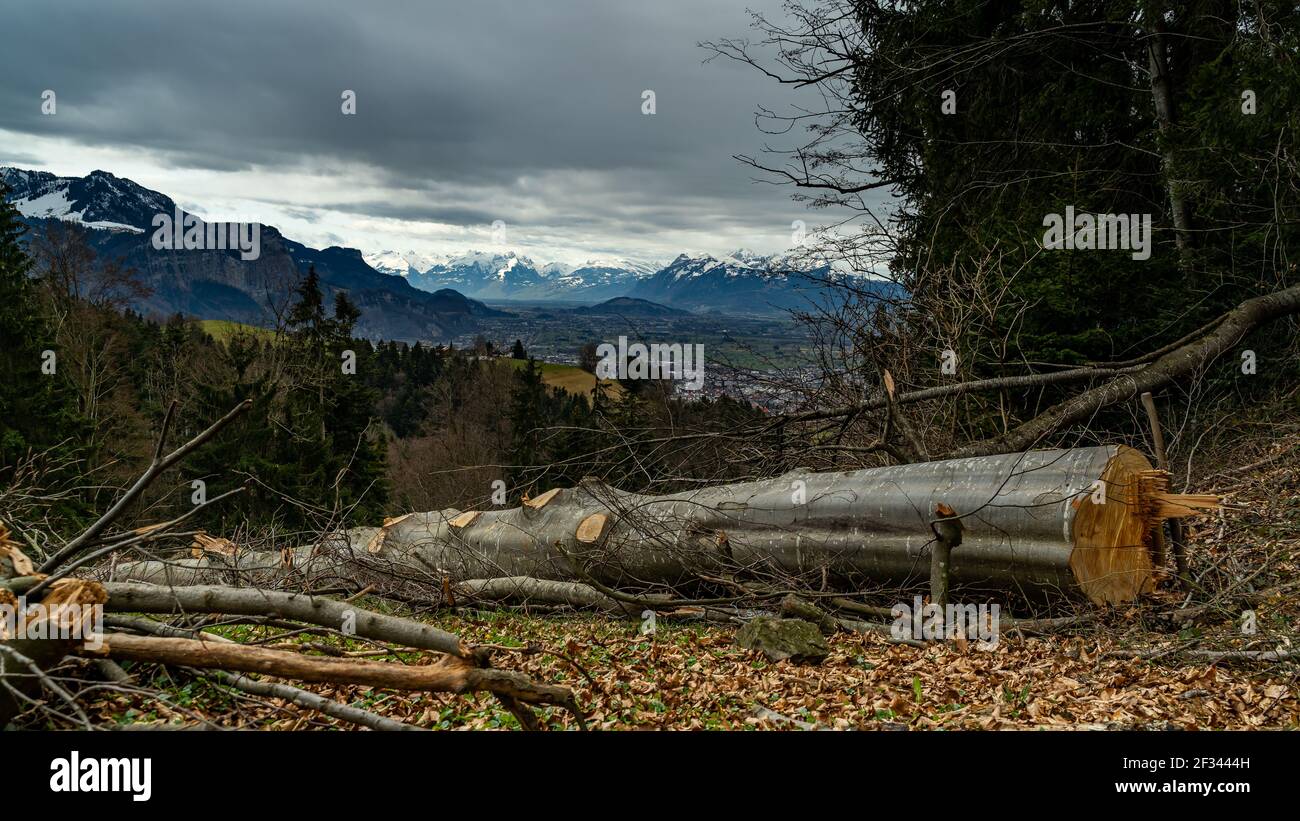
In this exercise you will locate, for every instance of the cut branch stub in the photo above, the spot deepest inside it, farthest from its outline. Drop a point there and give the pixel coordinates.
(539, 502)
(592, 528)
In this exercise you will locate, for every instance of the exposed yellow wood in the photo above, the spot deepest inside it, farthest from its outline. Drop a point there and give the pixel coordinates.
(540, 501)
(203, 543)
(377, 541)
(465, 519)
(1114, 540)
(592, 528)
(1181, 505)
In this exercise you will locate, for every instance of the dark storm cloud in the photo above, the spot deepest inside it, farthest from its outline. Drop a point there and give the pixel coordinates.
(432, 212)
(19, 158)
(455, 100)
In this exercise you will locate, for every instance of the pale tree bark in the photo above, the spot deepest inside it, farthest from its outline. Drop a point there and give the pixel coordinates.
(1055, 522)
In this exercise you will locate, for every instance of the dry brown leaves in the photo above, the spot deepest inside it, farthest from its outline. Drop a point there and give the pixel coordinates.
(693, 677)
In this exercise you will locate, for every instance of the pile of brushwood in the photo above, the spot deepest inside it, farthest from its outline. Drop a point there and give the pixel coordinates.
(60, 612)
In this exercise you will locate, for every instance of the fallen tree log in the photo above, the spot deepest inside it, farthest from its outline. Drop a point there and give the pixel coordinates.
(311, 564)
(1083, 520)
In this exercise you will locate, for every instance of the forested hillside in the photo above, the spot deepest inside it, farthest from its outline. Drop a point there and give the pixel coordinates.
(340, 428)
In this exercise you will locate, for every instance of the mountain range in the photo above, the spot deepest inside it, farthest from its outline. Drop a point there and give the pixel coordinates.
(508, 275)
(402, 296)
(118, 217)
(740, 282)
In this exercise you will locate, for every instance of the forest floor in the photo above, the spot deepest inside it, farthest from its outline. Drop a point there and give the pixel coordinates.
(1128, 670)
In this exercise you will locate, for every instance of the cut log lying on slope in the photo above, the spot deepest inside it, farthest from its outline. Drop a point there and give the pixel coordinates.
(1030, 522)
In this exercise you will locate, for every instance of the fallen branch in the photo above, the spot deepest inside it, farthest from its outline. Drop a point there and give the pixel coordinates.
(448, 675)
(144, 598)
(961, 388)
(312, 701)
(863, 609)
(1127, 379)
(297, 695)
(235, 601)
(883, 630)
(1176, 364)
(156, 468)
(528, 589)
(1041, 627)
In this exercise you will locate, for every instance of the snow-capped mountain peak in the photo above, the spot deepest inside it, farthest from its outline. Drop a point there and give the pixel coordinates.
(638, 268)
(402, 263)
(512, 275)
(748, 258)
(98, 200)
(742, 280)
(220, 283)
(558, 269)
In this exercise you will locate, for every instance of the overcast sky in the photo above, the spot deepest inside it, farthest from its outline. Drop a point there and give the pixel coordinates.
(467, 112)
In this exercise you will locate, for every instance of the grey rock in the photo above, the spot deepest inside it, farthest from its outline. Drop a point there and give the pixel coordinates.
(779, 639)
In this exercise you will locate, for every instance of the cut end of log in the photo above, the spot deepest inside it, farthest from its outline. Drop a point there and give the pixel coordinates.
(1114, 541)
